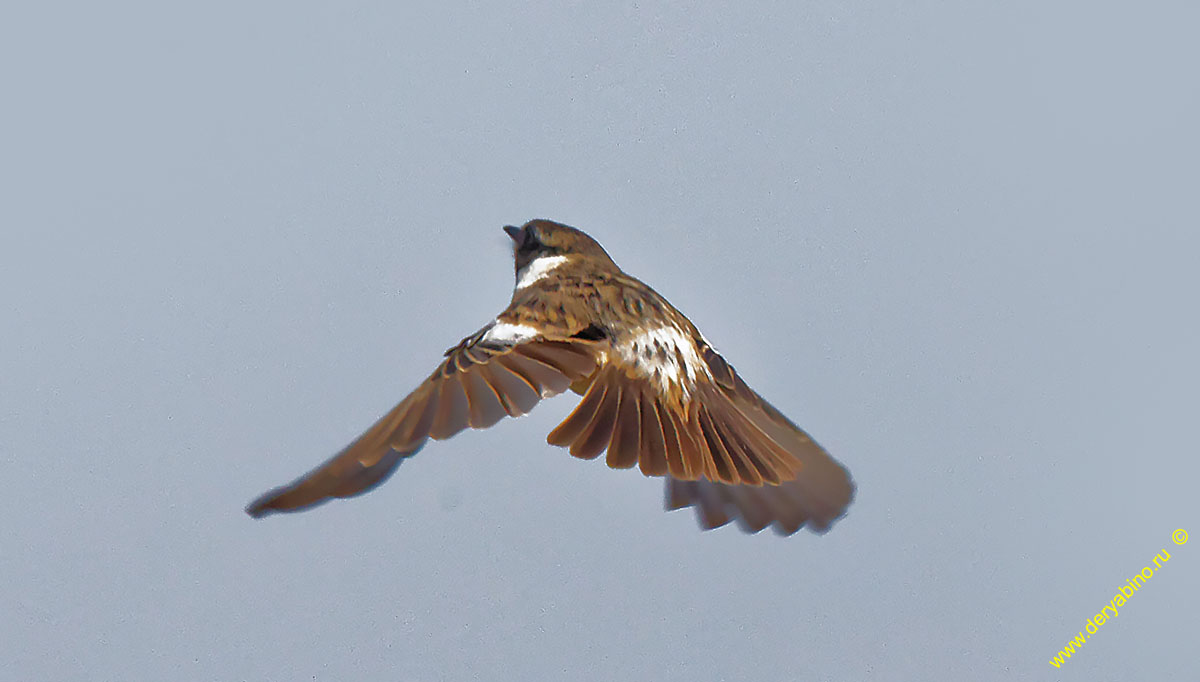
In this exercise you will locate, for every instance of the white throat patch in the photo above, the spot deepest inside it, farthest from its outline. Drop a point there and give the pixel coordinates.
(537, 269)
(667, 356)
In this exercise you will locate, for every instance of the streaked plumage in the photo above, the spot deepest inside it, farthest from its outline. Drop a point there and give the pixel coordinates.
(656, 395)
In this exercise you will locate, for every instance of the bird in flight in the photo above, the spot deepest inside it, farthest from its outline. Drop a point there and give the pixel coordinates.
(656, 395)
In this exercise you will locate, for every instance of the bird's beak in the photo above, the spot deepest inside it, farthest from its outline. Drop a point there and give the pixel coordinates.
(517, 233)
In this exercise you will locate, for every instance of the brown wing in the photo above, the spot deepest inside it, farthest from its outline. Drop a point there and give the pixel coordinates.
(477, 384)
(817, 493)
(623, 413)
(722, 447)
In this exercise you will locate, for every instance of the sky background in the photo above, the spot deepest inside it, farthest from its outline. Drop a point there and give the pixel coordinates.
(957, 242)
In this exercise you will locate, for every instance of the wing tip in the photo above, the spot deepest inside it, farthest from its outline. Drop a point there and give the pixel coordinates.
(274, 501)
(258, 509)
(267, 503)
(718, 504)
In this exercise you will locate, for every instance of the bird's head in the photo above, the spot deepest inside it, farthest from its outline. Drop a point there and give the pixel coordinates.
(546, 239)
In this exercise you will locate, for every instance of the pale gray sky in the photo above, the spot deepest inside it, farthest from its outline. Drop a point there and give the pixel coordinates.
(956, 241)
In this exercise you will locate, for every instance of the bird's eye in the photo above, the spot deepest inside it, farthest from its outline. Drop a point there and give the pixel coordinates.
(531, 242)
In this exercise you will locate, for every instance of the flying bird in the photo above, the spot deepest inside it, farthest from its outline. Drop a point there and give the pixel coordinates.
(656, 395)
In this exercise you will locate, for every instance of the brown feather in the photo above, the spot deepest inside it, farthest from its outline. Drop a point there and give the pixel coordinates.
(515, 395)
(653, 456)
(753, 514)
(753, 468)
(478, 355)
(452, 412)
(354, 482)
(512, 364)
(482, 402)
(788, 507)
(411, 429)
(691, 447)
(779, 464)
(574, 425)
(627, 433)
(461, 360)
(569, 359)
(747, 470)
(546, 379)
(679, 493)
(745, 442)
(673, 447)
(794, 511)
(710, 507)
(722, 465)
(599, 432)
(707, 464)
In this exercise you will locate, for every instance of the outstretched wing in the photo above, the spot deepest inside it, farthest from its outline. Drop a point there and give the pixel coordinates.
(816, 495)
(501, 370)
(672, 405)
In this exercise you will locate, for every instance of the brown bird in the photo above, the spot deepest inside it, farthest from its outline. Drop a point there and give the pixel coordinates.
(656, 394)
